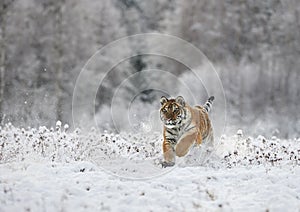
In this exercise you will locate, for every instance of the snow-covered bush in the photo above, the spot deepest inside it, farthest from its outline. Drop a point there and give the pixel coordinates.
(59, 145)
(249, 151)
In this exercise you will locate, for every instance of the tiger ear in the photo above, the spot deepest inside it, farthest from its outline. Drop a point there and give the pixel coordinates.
(180, 100)
(163, 100)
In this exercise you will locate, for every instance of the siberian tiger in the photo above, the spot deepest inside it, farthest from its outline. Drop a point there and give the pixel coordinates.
(184, 126)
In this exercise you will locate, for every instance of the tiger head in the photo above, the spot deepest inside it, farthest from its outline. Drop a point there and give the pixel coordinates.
(172, 111)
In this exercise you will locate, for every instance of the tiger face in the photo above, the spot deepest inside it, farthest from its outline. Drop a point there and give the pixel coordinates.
(172, 111)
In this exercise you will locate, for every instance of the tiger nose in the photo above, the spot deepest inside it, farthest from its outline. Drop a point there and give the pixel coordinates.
(170, 116)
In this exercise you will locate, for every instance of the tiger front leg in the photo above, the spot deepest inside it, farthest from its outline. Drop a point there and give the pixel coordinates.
(169, 154)
(185, 143)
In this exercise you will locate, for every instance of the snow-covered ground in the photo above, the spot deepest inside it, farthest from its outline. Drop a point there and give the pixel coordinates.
(56, 170)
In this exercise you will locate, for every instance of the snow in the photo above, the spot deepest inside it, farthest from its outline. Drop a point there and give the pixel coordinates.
(54, 170)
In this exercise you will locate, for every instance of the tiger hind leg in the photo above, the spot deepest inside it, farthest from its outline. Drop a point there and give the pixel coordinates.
(207, 148)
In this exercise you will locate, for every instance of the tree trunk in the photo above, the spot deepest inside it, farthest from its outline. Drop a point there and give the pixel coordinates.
(58, 46)
(2, 76)
(3, 8)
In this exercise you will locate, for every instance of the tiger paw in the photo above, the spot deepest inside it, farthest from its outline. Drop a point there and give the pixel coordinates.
(165, 164)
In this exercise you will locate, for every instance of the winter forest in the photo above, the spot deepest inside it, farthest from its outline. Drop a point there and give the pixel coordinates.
(80, 89)
(253, 45)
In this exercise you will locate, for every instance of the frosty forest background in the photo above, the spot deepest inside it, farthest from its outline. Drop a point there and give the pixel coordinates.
(254, 46)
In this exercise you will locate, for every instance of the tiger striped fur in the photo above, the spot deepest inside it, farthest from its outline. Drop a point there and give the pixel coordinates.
(184, 126)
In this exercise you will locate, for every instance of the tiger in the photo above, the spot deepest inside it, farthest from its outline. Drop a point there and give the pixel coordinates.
(183, 127)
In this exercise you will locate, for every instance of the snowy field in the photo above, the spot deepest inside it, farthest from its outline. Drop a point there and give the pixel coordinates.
(57, 170)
